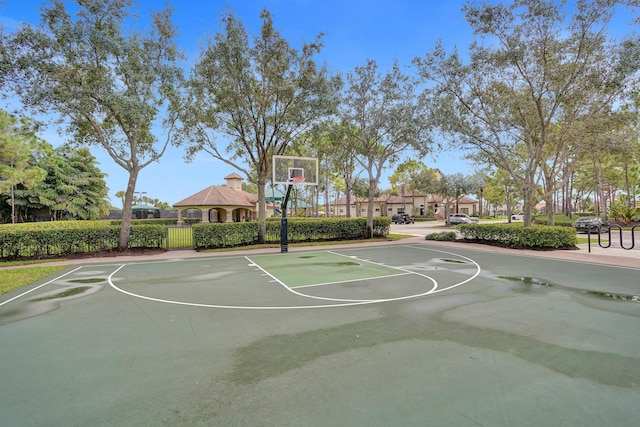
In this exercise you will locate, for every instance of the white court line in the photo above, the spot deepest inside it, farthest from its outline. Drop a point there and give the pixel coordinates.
(338, 282)
(385, 265)
(275, 279)
(478, 268)
(350, 303)
(295, 292)
(192, 304)
(38, 287)
(404, 271)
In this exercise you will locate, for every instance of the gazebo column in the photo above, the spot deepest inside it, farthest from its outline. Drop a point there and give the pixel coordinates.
(205, 216)
(180, 217)
(229, 215)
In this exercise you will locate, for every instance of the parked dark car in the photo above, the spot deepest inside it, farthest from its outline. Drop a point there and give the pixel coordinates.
(591, 224)
(402, 218)
(458, 218)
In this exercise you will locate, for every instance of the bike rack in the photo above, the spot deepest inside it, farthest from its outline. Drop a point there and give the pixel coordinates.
(633, 239)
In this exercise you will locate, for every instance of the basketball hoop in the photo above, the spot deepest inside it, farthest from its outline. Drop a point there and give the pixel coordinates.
(298, 179)
(292, 171)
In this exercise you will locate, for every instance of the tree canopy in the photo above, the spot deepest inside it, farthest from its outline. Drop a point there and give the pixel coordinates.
(258, 94)
(113, 87)
(19, 147)
(383, 113)
(527, 95)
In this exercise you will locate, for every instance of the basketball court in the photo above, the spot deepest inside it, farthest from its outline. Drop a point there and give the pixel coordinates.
(414, 334)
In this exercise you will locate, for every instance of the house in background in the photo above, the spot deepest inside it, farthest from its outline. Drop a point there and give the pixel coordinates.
(221, 203)
(412, 204)
(229, 203)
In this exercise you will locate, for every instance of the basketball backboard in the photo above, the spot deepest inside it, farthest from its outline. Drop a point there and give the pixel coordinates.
(289, 170)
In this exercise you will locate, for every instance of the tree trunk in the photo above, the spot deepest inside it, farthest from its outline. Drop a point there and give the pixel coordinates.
(548, 200)
(372, 194)
(262, 210)
(347, 198)
(627, 184)
(13, 204)
(125, 230)
(601, 195)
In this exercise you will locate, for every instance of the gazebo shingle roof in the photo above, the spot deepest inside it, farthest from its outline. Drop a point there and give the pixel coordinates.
(218, 195)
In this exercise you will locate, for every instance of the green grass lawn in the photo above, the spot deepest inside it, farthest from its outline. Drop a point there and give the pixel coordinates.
(14, 278)
(594, 240)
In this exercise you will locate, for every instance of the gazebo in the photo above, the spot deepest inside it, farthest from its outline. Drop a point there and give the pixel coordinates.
(145, 211)
(221, 203)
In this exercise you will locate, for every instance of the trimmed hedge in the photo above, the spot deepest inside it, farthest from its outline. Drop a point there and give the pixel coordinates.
(62, 238)
(560, 220)
(155, 221)
(71, 237)
(443, 236)
(298, 230)
(517, 236)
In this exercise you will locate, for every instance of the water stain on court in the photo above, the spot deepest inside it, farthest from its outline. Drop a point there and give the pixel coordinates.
(533, 283)
(65, 294)
(275, 355)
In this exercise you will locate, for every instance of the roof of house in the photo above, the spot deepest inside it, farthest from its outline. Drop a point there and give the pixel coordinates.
(432, 198)
(219, 195)
(233, 175)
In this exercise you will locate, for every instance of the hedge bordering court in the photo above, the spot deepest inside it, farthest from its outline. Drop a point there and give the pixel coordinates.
(231, 234)
(59, 238)
(517, 236)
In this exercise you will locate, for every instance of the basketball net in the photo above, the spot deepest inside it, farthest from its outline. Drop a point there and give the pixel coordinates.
(295, 180)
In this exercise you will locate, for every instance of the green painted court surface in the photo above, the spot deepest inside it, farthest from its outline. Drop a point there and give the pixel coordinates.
(322, 268)
(393, 335)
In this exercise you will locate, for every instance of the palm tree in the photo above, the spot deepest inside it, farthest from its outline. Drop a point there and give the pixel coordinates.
(121, 194)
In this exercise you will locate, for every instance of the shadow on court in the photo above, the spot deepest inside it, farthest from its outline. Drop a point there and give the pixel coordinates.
(402, 335)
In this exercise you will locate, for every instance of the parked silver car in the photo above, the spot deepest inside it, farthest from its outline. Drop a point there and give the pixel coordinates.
(458, 218)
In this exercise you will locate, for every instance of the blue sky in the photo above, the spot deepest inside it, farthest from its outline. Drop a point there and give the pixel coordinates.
(354, 31)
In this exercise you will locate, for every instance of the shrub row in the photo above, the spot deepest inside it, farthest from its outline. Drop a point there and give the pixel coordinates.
(517, 236)
(560, 220)
(442, 236)
(72, 237)
(156, 221)
(298, 230)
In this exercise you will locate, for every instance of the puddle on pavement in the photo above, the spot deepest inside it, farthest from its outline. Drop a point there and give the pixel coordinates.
(92, 280)
(455, 261)
(68, 293)
(535, 282)
(607, 295)
(307, 256)
(529, 281)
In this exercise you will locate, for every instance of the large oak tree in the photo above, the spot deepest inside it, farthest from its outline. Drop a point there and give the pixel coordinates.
(112, 86)
(250, 97)
(534, 78)
(383, 113)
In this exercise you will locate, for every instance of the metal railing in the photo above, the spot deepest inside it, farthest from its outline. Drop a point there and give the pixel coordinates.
(597, 229)
(179, 237)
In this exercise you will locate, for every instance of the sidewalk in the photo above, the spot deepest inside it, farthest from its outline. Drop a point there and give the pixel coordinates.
(598, 255)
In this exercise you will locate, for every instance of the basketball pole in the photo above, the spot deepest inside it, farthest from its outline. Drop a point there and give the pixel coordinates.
(284, 239)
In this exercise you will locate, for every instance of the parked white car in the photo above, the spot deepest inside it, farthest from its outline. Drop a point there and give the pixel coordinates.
(517, 217)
